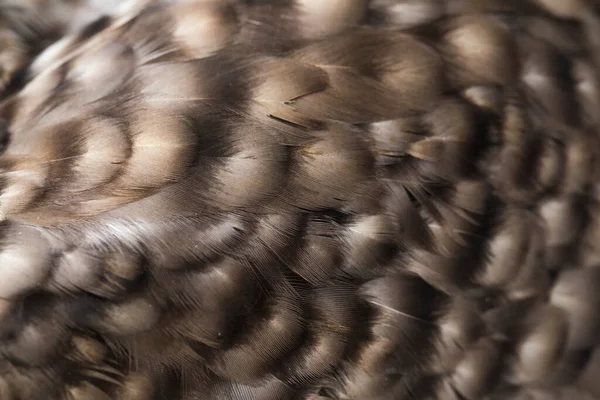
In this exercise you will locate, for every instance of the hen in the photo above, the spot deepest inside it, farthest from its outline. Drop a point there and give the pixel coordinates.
(299, 199)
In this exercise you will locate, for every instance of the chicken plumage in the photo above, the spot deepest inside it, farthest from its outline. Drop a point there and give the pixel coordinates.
(299, 199)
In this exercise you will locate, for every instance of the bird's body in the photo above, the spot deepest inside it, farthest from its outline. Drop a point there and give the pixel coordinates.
(300, 199)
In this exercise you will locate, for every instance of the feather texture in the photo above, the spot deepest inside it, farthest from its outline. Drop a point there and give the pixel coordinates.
(299, 199)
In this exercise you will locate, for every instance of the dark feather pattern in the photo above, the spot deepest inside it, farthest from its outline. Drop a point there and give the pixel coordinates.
(299, 199)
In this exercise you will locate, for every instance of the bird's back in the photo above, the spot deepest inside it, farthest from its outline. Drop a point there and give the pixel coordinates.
(300, 199)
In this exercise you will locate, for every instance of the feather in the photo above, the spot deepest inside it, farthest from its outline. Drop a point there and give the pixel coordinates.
(299, 199)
